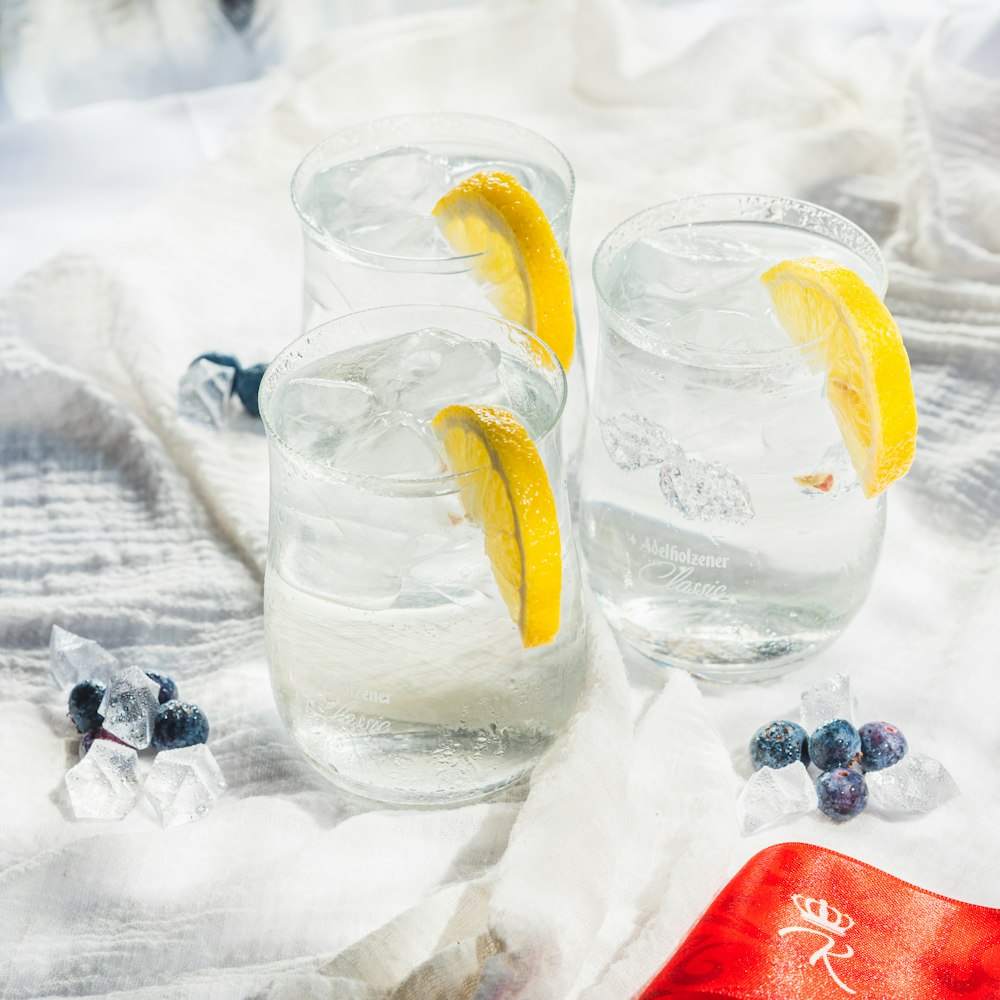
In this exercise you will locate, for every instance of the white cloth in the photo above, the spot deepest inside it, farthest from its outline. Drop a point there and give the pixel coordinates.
(122, 523)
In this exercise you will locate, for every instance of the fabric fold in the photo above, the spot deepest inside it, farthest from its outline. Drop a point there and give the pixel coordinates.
(126, 525)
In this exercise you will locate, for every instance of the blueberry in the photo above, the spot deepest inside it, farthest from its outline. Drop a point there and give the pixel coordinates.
(842, 793)
(226, 360)
(168, 689)
(97, 734)
(84, 702)
(834, 744)
(179, 724)
(778, 744)
(247, 387)
(882, 745)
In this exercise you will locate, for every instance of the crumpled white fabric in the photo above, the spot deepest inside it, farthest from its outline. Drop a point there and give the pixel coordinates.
(123, 523)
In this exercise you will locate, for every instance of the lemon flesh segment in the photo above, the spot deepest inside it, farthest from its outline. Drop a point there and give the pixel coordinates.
(847, 331)
(505, 490)
(492, 215)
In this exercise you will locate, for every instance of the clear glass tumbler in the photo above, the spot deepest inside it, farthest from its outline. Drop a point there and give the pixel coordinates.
(394, 660)
(364, 198)
(723, 527)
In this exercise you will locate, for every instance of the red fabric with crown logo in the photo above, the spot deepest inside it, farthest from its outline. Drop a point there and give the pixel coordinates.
(799, 922)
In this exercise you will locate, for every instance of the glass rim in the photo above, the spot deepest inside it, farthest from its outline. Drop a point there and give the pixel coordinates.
(721, 207)
(477, 123)
(416, 486)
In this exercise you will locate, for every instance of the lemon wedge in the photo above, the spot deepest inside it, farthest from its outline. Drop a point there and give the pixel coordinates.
(492, 215)
(507, 492)
(852, 336)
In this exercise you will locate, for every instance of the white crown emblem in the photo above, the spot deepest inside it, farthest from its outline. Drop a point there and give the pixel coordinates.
(822, 914)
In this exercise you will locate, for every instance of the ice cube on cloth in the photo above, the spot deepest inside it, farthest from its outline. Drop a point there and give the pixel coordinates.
(773, 794)
(129, 706)
(184, 784)
(105, 784)
(72, 659)
(825, 702)
(204, 391)
(917, 784)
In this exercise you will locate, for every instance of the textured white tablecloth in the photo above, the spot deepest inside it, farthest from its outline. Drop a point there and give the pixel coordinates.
(122, 523)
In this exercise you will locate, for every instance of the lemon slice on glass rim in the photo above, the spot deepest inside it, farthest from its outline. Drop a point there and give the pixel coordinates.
(848, 332)
(506, 491)
(492, 215)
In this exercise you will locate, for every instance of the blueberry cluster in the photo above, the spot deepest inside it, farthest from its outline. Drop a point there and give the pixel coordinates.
(177, 723)
(246, 383)
(841, 753)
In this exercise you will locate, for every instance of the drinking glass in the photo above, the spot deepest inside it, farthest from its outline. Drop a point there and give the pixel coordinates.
(724, 529)
(364, 198)
(394, 661)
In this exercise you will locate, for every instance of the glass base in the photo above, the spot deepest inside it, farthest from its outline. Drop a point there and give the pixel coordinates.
(723, 650)
(425, 768)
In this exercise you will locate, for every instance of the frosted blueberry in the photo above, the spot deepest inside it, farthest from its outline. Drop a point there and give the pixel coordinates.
(179, 724)
(247, 387)
(85, 704)
(778, 744)
(225, 360)
(168, 689)
(882, 745)
(834, 744)
(841, 793)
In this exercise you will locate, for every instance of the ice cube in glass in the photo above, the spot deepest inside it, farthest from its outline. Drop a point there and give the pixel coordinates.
(633, 441)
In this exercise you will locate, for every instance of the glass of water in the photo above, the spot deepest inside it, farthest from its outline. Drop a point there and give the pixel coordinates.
(724, 529)
(365, 197)
(394, 661)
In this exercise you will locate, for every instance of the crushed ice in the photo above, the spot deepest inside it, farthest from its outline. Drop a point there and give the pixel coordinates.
(633, 441)
(704, 491)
